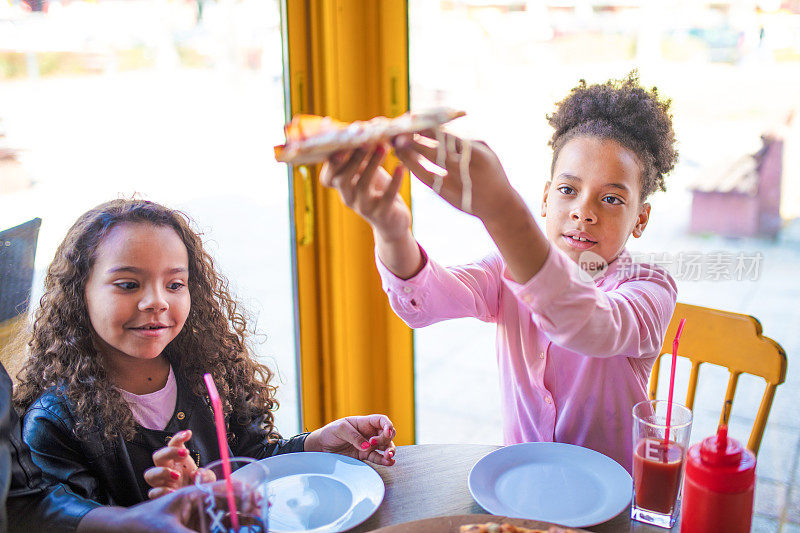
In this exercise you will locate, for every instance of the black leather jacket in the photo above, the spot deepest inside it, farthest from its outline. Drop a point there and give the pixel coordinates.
(111, 472)
(31, 502)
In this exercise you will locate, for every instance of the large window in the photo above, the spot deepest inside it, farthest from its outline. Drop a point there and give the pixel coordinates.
(732, 70)
(179, 102)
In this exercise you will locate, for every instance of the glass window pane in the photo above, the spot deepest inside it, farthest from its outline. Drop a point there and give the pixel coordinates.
(731, 70)
(178, 102)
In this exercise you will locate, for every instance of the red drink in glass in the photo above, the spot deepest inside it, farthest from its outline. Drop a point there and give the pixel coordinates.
(658, 458)
(657, 468)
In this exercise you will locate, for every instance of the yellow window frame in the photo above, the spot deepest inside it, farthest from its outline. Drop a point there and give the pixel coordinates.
(347, 59)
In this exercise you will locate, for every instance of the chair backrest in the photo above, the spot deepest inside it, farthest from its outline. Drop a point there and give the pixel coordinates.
(12, 347)
(730, 340)
(17, 252)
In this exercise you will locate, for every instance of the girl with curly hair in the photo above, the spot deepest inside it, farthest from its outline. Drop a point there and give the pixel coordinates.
(133, 314)
(578, 325)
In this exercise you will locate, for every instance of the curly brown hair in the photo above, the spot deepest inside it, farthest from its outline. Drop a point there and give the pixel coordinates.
(623, 111)
(62, 355)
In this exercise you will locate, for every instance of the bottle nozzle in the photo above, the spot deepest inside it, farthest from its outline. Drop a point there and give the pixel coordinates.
(719, 450)
(722, 438)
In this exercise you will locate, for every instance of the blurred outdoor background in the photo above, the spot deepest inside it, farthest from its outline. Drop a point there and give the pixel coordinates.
(181, 101)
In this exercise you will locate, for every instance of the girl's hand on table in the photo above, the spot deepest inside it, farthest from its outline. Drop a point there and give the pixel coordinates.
(367, 438)
(174, 467)
(176, 513)
(366, 188)
(490, 190)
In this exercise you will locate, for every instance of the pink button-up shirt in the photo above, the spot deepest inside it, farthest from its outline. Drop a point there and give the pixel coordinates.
(574, 354)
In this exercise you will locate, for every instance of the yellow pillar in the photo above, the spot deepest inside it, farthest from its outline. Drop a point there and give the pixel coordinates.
(347, 59)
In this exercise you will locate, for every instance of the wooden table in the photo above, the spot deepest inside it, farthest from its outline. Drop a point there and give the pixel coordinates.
(430, 480)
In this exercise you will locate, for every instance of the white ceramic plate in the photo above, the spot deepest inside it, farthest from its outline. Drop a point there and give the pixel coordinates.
(552, 482)
(320, 492)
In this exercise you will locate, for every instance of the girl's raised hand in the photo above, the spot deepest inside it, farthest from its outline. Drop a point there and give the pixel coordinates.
(174, 467)
(367, 438)
(366, 188)
(485, 186)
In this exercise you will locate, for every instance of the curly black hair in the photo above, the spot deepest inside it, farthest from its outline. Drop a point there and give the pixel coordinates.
(625, 112)
(62, 353)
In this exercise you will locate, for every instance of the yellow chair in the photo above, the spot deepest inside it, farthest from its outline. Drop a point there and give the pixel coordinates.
(11, 355)
(7, 330)
(730, 340)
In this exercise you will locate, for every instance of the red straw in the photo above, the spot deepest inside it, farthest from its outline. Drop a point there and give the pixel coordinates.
(672, 380)
(222, 438)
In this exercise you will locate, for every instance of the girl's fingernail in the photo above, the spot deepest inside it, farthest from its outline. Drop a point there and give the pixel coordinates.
(183, 452)
(364, 445)
(373, 441)
(174, 475)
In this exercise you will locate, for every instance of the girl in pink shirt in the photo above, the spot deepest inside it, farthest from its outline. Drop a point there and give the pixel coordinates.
(579, 325)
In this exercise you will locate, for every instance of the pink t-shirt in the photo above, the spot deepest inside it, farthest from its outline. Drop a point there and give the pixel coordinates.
(574, 355)
(154, 410)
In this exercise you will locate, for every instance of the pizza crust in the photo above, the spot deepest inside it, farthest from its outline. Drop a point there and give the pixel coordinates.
(492, 527)
(311, 139)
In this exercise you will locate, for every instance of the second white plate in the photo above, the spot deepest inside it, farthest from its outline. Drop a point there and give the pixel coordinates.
(320, 492)
(552, 482)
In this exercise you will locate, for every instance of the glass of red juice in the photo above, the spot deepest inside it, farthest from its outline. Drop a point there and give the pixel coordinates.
(658, 461)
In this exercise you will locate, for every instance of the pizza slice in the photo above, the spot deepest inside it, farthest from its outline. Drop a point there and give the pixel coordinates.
(312, 138)
(491, 527)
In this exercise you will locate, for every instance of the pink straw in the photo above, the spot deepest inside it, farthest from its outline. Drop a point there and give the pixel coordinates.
(672, 380)
(222, 438)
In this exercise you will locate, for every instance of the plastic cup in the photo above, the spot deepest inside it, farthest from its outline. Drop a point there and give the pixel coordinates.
(658, 461)
(249, 478)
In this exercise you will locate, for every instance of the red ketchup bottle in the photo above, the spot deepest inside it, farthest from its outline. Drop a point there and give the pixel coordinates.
(718, 486)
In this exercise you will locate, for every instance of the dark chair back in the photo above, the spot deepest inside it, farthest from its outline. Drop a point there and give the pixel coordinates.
(17, 252)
